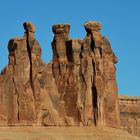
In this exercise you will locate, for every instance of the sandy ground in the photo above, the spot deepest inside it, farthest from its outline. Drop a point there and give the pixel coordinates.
(64, 133)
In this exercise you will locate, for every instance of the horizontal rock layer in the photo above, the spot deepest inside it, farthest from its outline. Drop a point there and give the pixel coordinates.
(130, 114)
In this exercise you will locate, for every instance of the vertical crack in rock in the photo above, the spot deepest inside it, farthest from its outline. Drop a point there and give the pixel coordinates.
(30, 29)
(95, 106)
(31, 66)
(94, 88)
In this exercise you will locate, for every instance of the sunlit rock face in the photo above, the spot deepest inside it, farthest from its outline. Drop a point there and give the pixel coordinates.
(77, 88)
(130, 114)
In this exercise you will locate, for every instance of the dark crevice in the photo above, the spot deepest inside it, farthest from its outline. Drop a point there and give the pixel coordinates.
(82, 48)
(94, 97)
(94, 70)
(31, 65)
(69, 51)
(95, 101)
(55, 53)
(100, 50)
(92, 45)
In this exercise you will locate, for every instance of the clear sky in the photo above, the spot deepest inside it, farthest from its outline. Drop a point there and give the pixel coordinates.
(120, 20)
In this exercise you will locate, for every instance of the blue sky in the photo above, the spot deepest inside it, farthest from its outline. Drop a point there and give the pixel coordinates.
(120, 20)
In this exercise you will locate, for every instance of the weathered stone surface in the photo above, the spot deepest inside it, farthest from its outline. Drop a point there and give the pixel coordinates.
(92, 26)
(78, 87)
(20, 87)
(130, 114)
(29, 27)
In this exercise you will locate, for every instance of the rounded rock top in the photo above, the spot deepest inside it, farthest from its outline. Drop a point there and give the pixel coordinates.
(29, 27)
(92, 26)
(61, 28)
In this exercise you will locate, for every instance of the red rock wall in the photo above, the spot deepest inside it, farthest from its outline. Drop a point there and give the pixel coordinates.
(130, 114)
(78, 87)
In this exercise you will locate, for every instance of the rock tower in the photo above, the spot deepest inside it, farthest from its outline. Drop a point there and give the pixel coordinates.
(77, 88)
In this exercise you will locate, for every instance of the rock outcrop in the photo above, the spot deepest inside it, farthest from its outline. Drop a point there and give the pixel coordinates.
(130, 114)
(78, 87)
(20, 88)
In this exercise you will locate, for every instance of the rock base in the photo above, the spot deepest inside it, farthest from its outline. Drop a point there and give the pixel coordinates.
(64, 133)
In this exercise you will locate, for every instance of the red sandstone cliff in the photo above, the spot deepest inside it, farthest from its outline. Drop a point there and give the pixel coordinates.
(78, 87)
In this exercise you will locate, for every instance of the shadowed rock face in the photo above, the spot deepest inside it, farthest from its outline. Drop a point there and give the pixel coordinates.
(78, 87)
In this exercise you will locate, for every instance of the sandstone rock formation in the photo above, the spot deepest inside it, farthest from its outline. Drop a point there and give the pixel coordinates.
(78, 87)
(130, 114)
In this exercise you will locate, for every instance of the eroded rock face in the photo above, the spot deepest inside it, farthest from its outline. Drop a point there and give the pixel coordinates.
(130, 114)
(78, 87)
(20, 87)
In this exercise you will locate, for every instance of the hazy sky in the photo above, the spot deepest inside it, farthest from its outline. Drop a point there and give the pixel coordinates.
(120, 20)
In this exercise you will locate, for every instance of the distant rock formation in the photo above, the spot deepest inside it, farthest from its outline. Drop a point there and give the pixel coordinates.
(77, 88)
(130, 114)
